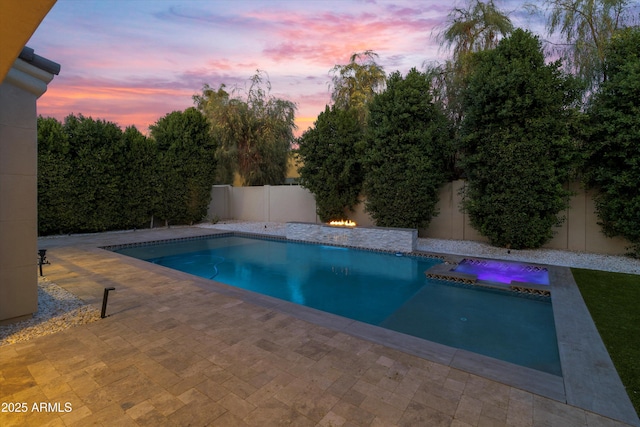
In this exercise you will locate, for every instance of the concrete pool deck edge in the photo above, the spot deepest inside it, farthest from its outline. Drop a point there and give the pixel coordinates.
(590, 381)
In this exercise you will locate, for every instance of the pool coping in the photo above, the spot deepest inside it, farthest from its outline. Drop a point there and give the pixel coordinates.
(600, 391)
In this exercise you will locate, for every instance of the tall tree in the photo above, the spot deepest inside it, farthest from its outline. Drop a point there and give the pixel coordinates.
(55, 192)
(478, 27)
(613, 140)
(407, 147)
(224, 114)
(586, 27)
(332, 166)
(356, 83)
(187, 165)
(517, 142)
(255, 132)
(140, 178)
(92, 176)
(95, 150)
(332, 169)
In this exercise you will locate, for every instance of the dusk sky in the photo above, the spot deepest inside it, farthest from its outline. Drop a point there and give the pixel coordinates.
(133, 61)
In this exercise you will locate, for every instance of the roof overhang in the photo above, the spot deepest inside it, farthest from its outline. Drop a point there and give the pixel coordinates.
(18, 21)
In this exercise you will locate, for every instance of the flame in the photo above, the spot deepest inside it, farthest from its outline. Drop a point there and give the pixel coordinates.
(343, 223)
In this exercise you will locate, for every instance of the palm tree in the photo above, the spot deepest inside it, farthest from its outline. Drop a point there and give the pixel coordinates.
(477, 28)
(356, 83)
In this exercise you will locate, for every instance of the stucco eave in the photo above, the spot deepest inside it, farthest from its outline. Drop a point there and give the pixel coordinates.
(28, 77)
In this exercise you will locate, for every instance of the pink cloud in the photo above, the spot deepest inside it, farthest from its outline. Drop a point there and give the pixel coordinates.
(331, 37)
(134, 62)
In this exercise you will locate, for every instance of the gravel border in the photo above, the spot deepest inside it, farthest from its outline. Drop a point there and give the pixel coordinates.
(58, 309)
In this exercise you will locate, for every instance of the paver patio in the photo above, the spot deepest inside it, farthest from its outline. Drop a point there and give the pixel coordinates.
(174, 352)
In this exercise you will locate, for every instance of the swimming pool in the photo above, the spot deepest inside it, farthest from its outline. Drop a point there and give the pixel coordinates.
(376, 288)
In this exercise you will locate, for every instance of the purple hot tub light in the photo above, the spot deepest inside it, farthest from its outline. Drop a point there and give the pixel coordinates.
(503, 272)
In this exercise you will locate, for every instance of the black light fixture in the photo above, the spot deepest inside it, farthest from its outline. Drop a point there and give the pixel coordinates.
(42, 259)
(105, 297)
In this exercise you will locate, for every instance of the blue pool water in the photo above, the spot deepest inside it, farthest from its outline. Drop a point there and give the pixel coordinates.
(373, 287)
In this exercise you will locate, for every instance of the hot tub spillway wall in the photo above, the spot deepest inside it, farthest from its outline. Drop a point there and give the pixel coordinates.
(382, 238)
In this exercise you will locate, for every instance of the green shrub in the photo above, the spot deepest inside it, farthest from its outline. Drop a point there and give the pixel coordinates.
(516, 143)
(332, 169)
(408, 145)
(613, 141)
(94, 177)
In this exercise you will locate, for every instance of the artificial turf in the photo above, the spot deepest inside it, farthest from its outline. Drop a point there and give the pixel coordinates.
(613, 299)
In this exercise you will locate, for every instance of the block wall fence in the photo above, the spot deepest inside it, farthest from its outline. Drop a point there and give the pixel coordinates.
(292, 203)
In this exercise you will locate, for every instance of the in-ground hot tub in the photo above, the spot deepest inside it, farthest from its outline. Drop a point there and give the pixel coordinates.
(503, 271)
(515, 276)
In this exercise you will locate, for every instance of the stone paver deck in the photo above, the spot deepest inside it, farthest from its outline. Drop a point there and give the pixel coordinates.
(175, 352)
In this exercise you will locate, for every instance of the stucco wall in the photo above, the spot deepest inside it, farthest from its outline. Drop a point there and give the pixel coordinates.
(579, 232)
(282, 203)
(451, 223)
(23, 85)
(18, 198)
(291, 203)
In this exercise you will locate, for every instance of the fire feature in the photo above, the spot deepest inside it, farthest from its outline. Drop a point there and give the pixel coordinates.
(388, 239)
(343, 223)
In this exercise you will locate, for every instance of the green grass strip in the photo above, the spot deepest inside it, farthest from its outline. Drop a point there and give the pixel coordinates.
(613, 299)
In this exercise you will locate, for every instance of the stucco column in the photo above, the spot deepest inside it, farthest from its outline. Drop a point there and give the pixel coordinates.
(23, 85)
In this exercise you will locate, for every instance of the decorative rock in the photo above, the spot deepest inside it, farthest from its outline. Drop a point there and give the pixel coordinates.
(380, 238)
(58, 309)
